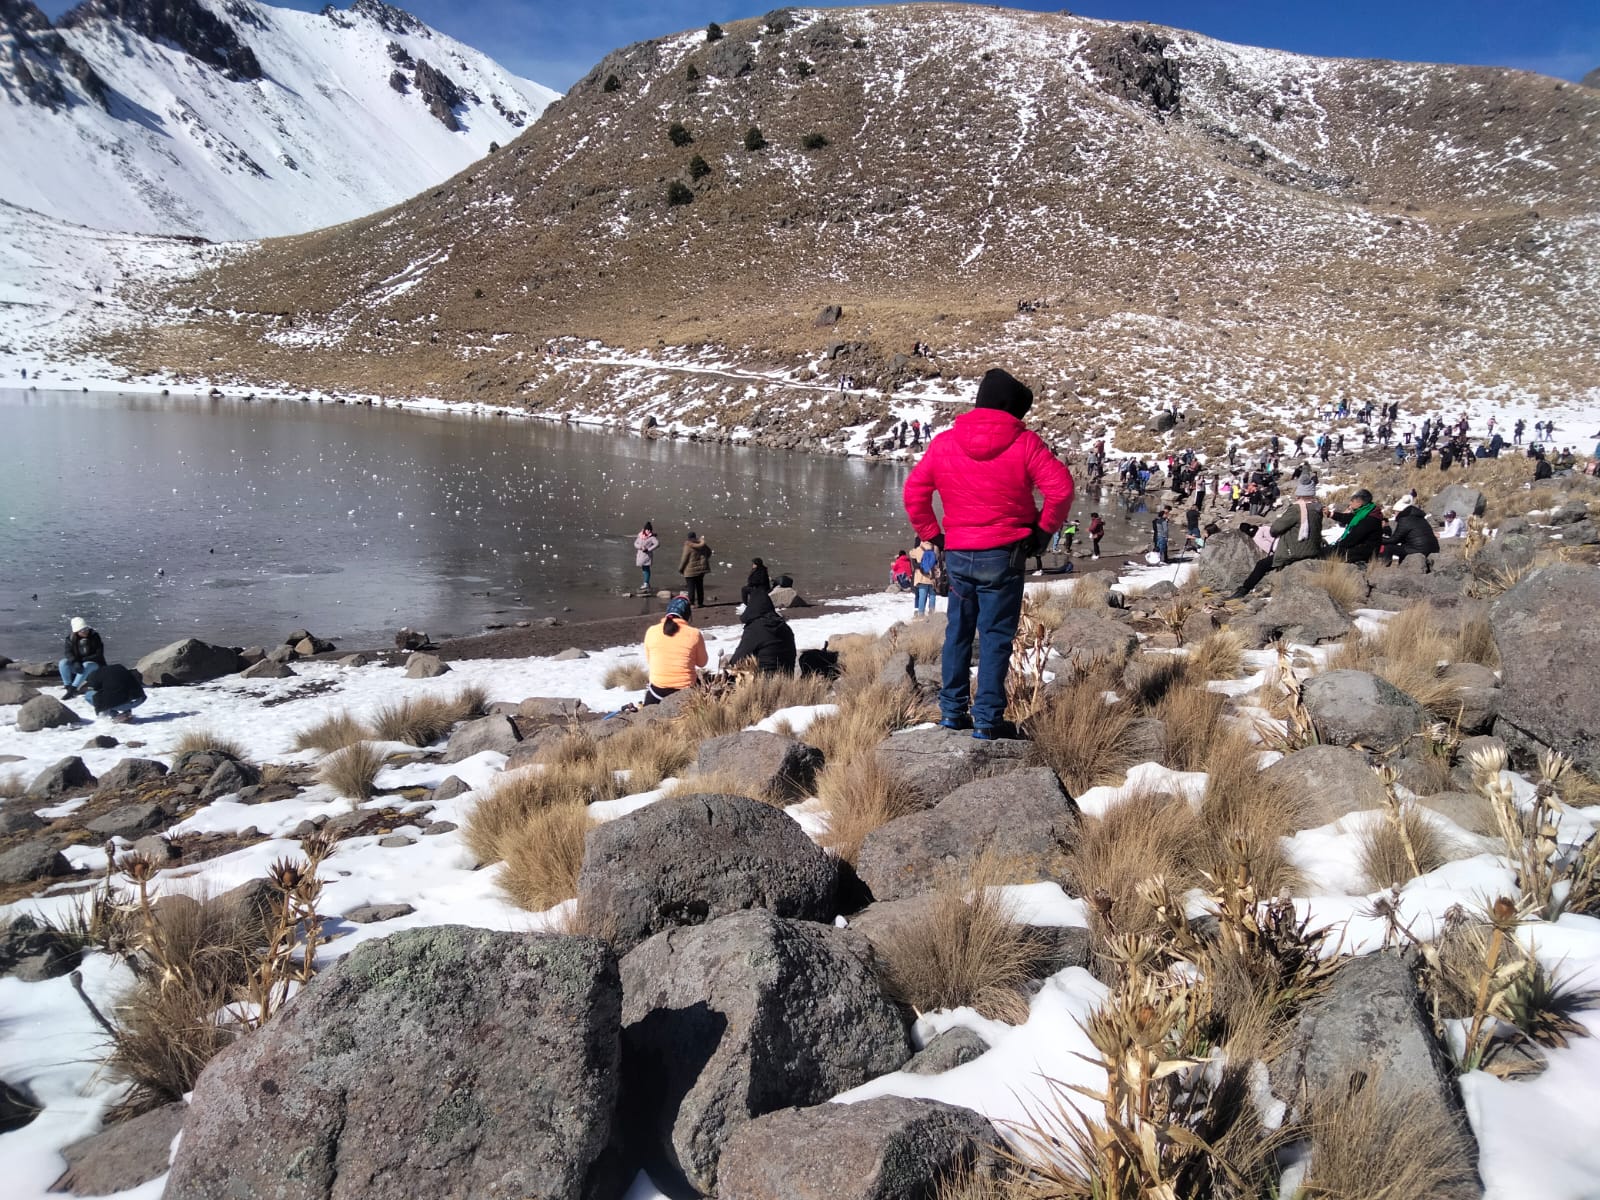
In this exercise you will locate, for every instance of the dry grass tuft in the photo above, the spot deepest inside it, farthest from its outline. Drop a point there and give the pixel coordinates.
(1144, 835)
(207, 741)
(970, 950)
(1195, 719)
(333, 732)
(922, 640)
(496, 822)
(1246, 815)
(1475, 642)
(353, 771)
(861, 796)
(866, 716)
(719, 783)
(1346, 585)
(630, 675)
(416, 720)
(543, 859)
(471, 701)
(1219, 655)
(1386, 1144)
(12, 785)
(1409, 652)
(168, 1026)
(1384, 859)
(1084, 740)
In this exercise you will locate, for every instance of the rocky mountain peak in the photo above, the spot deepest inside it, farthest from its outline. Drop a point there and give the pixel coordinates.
(186, 24)
(37, 63)
(389, 18)
(1592, 79)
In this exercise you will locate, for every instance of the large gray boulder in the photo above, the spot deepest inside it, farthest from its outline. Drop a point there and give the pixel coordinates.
(1329, 781)
(1368, 1029)
(19, 817)
(129, 821)
(124, 1155)
(746, 1015)
(44, 712)
(955, 1047)
(442, 1062)
(931, 763)
(1460, 499)
(1350, 707)
(188, 661)
(426, 666)
(691, 859)
(487, 733)
(1227, 561)
(12, 692)
(67, 775)
(128, 773)
(37, 859)
(1087, 636)
(33, 952)
(1297, 613)
(890, 1148)
(1544, 628)
(772, 766)
(1024, 818)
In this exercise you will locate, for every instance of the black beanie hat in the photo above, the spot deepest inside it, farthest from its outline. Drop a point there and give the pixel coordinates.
(1000, 390)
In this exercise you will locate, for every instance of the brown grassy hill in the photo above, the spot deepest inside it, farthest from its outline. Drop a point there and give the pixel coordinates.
(1206, 223)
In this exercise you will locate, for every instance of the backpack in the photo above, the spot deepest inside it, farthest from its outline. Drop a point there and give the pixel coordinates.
(941, 577)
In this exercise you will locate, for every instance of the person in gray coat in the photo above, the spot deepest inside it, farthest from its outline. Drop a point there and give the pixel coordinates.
(1299, 532)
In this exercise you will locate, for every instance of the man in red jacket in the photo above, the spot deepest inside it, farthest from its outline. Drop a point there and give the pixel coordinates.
(985, 468)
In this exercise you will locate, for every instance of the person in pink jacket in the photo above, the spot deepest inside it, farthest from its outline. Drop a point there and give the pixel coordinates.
(986, 467)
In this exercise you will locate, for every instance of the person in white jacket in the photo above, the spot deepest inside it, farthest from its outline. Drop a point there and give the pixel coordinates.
(1454, 527)
(644, 552)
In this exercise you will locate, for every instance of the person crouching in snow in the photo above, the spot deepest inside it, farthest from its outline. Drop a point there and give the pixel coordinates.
(985, 468)
(767, 637)
(673, 652)
(83, 652)
(114, 691)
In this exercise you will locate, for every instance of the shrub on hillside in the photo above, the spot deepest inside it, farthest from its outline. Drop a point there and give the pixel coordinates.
(699, 168)
(804, 70)
(678, 134)
(612, 83)
(692, 73)
(753, 140)
(678, 193)
(813, 141)
(713, 32)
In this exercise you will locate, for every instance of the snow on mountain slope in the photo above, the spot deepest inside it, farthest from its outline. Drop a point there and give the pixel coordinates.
(232, 119)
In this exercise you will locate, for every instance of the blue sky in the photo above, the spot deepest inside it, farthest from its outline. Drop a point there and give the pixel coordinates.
(557, 43)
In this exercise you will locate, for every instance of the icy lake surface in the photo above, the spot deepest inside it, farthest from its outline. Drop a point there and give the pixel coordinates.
(237, 521)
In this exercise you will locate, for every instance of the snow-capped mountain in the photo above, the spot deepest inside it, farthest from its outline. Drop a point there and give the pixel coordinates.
(232, 119)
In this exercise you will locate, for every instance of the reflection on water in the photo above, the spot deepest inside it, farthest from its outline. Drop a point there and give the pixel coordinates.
(239, 521)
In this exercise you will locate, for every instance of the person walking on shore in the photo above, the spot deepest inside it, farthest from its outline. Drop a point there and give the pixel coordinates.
(985, 468)
(644, 552)
(674, 650)
(694, 564)
(83, 652)
(1097, 530)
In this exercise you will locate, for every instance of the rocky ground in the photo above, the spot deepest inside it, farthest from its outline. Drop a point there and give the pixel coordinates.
(1314, 846)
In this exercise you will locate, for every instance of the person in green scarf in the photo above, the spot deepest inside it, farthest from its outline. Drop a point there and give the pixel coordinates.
(1363, 532)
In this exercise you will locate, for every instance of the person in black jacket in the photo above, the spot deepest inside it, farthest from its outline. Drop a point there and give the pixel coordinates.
(84, 651)
(115, 691)
(767, 637)
(759, 579)
(1363, 532)
(1413, 534)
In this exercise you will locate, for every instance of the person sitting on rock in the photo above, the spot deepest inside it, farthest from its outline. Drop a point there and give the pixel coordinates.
(1363, 529)
(1454, 527)
(84, 651)
(674, 650)
(1412, 534)
(114, 691)
(1298, 531)
(767, 637)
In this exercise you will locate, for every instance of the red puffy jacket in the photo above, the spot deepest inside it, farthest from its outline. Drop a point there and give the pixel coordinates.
(985, 468)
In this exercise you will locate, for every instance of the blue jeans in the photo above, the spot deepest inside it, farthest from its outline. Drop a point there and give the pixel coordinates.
(118, 710)
(986, 599)
(73, 674)
(925, 600)
(645, 574)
